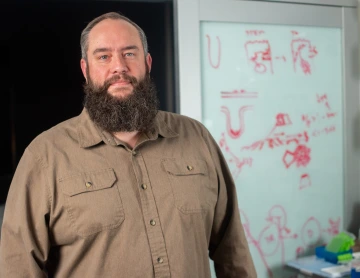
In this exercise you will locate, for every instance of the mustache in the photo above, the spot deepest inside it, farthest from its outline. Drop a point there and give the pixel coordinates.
(118, 77)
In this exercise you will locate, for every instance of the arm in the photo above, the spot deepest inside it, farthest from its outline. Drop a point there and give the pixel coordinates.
(228, 246)
(24, 243)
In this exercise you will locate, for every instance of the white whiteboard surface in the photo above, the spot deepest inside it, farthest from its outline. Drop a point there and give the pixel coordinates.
(272, 98)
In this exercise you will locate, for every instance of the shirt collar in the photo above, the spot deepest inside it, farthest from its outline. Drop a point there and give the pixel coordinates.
(87, 131)
(161, 127)
(90, 134)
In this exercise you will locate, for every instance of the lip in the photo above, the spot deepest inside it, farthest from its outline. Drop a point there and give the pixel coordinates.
(120, 83)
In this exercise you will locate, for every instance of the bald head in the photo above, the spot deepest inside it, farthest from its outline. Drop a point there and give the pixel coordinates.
(84, 39)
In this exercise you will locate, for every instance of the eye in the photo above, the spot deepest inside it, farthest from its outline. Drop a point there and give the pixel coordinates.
(129, 54)
(104, 57)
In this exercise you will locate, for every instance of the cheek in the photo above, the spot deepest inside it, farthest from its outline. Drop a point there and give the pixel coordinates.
(97, 75)
(141, 70)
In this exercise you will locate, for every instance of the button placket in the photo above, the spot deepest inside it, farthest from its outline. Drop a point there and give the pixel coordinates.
(151, 214)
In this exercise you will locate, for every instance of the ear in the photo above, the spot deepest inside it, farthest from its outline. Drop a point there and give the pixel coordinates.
(83, 66)
(148, 60)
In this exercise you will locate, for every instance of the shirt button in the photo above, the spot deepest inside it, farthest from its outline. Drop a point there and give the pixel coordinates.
(88, 184)
(190, 168)
(152, 222)
(160, 260)
(133, 153)
(144, 186)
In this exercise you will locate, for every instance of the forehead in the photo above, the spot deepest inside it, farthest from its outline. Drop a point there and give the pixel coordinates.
(114, 33)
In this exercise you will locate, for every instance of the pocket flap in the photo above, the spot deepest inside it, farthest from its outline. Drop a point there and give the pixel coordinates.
(185, 167)
(88, 182)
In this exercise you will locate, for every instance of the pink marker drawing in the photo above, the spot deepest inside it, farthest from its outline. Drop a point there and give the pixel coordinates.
(254, 32)
(215, 66)
(252, 241)
(323, 99)
(323, 131)
(239, 94)
(334, 227)
(300, 156)
(283, 58)
(233, 161)
(312, 233)
(305, 181)
(270, 244)
(309, 119)
(235, 133)
(298, 138)
(259, 53)
(273, 139)
(283, 119)
(276, 229)
(302, 52)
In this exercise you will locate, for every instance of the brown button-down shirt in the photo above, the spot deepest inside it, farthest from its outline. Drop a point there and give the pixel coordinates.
(83, 204)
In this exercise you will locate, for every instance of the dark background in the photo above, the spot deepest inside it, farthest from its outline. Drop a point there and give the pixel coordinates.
(41, 79)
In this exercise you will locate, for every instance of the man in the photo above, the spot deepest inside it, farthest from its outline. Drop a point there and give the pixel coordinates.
(122, 190)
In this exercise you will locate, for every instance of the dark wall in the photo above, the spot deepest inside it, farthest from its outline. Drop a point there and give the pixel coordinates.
(40, 68)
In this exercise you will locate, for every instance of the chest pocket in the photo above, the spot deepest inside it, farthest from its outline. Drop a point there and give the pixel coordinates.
(93, 201)
(190, 184)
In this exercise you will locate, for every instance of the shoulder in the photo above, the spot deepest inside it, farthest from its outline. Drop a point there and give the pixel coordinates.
(61, 134)
(180, 123)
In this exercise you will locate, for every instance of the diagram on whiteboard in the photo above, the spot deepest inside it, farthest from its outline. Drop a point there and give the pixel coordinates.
(272, 99)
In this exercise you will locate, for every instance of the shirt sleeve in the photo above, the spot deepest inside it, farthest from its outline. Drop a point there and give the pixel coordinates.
(228, 247)
(24, 243)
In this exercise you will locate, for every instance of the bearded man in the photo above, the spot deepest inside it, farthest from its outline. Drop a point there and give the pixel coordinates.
(122, 190)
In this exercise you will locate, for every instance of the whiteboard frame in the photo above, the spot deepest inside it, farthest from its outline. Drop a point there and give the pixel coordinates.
(190, 13)
(340, 3)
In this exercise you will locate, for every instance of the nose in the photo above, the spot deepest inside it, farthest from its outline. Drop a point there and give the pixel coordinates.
(119, 65)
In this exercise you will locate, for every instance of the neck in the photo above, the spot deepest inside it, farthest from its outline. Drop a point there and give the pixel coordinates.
(129, 138)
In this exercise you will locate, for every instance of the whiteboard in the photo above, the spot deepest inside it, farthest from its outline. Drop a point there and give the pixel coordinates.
(323, 119)
(272, 98)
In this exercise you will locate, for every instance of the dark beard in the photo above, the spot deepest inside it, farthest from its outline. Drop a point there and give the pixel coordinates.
(135, 112)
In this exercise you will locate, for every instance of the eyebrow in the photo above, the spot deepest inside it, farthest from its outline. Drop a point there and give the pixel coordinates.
(105, 49)
(98, 50)
(130, 47)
